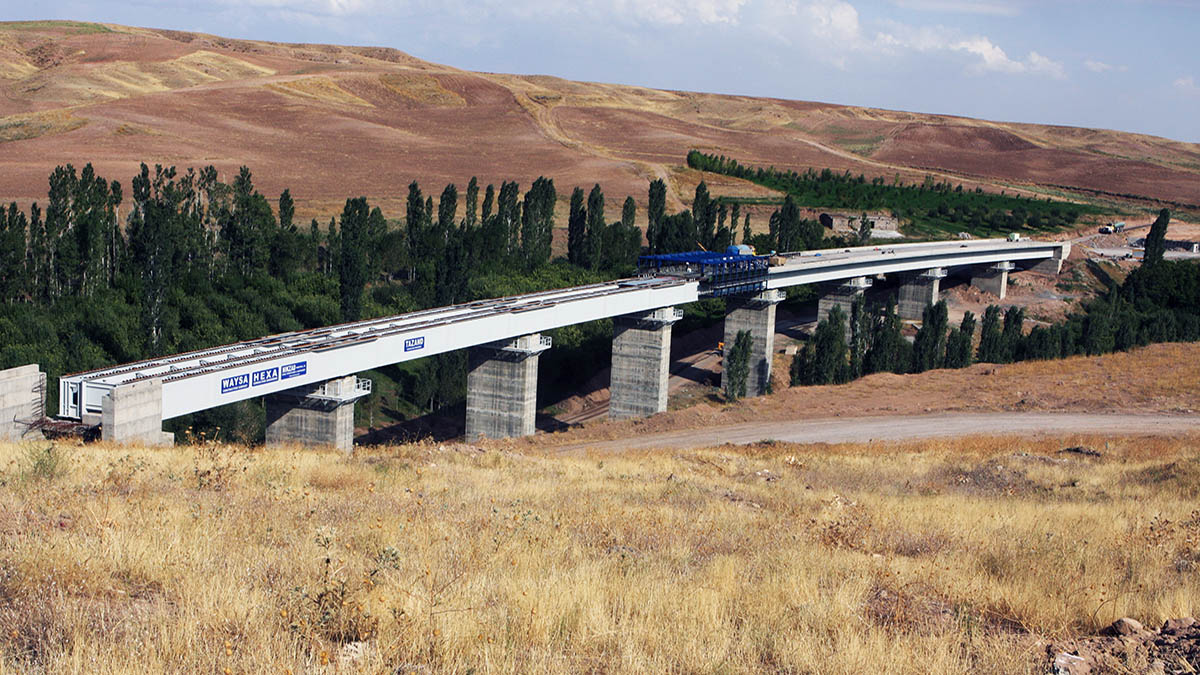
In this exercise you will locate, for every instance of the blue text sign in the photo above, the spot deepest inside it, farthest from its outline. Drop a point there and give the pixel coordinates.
(235, 383)
(413, 344)
(265, 376)
(293, 370)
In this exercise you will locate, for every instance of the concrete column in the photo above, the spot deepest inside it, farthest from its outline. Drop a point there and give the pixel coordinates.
(132, 413)
(316, 415)
(641, 357)
(918, 291)
(993, 279)
(502, 387)
(22, 400)
(757, 315)
(842, 294)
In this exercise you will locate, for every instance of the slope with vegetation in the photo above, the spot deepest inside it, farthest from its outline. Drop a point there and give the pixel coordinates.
(943, 556)
(379, 117)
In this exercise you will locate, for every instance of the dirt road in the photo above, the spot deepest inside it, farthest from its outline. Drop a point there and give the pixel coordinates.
(900, 428)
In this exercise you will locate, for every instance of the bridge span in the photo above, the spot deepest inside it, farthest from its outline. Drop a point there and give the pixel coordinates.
(309, 382)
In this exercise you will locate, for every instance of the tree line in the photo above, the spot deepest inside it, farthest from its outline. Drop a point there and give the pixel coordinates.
(1158, 302)
(930, 206)
(183, 260)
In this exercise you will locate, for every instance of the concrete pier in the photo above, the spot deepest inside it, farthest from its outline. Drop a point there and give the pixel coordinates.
(22, 400)
(316, 415)
(132, 413)
(993, 279)
(757, 315)
(641, 357)
(918, 290)
(502, 387)
(842, 295)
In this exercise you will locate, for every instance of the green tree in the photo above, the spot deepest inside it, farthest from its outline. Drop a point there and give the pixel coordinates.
(594, 238)
(737, 367)
(656, 209)
(1155, 245)
(990, 345)
(823, 359)
(929, 347)
(577, 229)
(958, 343)
(352, 263)
(1012, 337)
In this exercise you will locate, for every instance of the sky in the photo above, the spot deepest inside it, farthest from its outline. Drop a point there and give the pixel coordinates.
(1131, 65)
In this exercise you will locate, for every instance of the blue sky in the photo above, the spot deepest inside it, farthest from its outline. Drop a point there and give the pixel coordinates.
(1132, 65)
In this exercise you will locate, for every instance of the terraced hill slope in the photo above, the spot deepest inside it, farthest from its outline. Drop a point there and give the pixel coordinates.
(329, 121)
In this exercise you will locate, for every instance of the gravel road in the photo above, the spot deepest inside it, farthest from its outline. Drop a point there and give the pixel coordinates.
(900, 428)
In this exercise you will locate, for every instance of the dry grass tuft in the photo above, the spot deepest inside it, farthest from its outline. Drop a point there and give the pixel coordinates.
(936, 556)
(421, 88)
(32, 125)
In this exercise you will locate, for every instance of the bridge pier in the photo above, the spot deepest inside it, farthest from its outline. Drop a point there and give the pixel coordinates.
(755, 314)
(641, 357)
(502, 387)
(22, 399)
(918, 290)
(842, 295)
(316, 415)
(132, 413)
(993, 279)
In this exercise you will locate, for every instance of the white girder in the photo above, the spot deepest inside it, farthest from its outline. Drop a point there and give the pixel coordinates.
(212, 377)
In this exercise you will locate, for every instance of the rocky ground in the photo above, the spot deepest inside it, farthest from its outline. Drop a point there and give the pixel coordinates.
(1129, 647)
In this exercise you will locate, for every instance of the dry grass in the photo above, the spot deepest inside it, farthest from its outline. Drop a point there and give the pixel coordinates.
(421, 88)
(31, 125)
(318, 89)
(927, 557)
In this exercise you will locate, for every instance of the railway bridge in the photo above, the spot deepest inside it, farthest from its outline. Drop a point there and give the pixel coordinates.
(309, 378)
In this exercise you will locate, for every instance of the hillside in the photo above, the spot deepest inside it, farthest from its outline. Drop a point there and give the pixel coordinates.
(329, 122)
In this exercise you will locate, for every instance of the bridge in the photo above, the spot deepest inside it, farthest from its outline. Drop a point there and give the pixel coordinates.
(309, 383)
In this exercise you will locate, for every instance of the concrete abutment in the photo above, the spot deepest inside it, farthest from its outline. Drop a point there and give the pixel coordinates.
(22, 400)
(132, 413)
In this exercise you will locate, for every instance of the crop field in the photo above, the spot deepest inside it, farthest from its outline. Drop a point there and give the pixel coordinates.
(941, 556)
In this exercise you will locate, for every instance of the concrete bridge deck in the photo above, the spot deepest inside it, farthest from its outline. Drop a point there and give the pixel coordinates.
(313, 370)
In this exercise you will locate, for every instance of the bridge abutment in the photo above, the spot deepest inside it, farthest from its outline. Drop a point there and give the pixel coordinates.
(22, 400)
(132, 413)
(641, 358)
(918, 290)
(993, 279)
(757, 315)
(502, 387)
(316, 415)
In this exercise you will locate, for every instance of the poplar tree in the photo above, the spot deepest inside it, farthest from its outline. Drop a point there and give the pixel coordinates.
(737, 367)
(1155, 245)
(594, 237)
(990, 349)
(655, 212)
(352, 263)
(577, 229)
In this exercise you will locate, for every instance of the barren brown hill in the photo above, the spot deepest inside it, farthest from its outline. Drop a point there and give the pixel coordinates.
(329, 121)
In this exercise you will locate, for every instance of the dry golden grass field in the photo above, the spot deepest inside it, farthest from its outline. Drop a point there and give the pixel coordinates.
(941, 556)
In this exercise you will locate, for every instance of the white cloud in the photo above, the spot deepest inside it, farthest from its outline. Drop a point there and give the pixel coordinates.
(1102, 67)
(991, 56)
(834, 21)
(960, 6)
(1041, 64)
(1187, 85)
